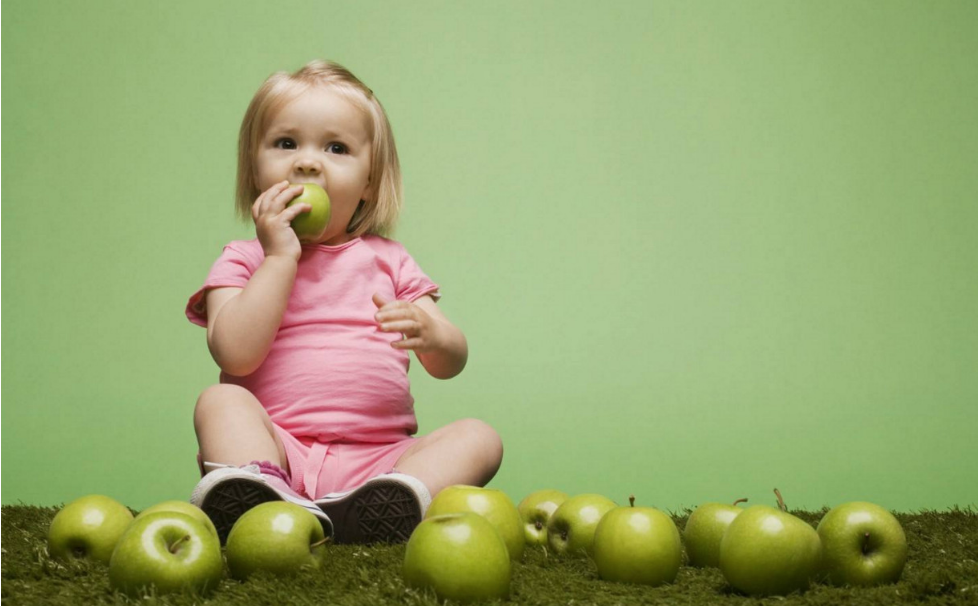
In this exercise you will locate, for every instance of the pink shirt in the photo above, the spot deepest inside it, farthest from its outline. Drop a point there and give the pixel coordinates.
(331, 374)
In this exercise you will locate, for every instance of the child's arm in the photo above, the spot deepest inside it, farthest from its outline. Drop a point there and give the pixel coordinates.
(242, 322)
(440, 345)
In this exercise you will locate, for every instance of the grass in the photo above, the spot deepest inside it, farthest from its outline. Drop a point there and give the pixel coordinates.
(942, 569)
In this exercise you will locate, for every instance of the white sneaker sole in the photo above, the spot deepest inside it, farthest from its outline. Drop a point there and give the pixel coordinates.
(385, 509)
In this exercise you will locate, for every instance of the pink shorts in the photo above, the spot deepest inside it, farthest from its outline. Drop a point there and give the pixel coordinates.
(319, 468)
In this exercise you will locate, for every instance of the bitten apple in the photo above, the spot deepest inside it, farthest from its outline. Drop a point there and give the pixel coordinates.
(863, 545)
(309, 226)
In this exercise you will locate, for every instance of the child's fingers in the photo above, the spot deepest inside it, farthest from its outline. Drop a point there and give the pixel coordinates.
(408, 327)
(282, 198)
(262, 203)
(396, 310)
(414, 343)
(291, 212)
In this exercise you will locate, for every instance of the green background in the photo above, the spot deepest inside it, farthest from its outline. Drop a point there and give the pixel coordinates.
(700, 250)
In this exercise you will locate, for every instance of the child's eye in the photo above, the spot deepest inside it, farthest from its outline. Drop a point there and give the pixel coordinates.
(336, 148)
(285, 143)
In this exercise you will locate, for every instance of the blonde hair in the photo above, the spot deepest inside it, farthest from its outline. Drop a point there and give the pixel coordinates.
(377, 215)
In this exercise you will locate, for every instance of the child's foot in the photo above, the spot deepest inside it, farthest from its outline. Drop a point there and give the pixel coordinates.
(226, 493)
(385, 508)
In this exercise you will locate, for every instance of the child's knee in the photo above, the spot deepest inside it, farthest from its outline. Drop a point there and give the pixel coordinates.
(485, 438)
(217, 401)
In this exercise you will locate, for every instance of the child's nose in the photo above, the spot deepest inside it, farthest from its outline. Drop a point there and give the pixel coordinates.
(307, 165)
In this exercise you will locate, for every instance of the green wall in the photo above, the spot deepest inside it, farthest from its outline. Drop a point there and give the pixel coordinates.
(700, 249)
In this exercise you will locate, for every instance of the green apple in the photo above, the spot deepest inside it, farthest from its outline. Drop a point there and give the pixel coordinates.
(705, 528)
(278, 537)
(637, 545)
(570, 530)
(183, 507)
(768, 551)
(536, 510)
(168, 550)
(863, 544)
(489, 503)
(88, 527)
(460, 556)
(309, 226)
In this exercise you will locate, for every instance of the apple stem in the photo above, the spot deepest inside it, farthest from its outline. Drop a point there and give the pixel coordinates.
(866, 544)
(631, 500)
(781, 504)
(176, 544)
(739, 501)
(319, 543)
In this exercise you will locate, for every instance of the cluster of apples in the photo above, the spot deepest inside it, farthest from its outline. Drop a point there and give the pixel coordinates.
(464, 547)
(174, 547)
(764, 550)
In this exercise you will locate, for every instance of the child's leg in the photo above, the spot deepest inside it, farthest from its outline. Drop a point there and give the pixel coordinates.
(465, 452)
(234, 429)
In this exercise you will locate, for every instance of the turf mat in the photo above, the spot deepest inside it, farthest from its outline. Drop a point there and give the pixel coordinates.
(942, 568)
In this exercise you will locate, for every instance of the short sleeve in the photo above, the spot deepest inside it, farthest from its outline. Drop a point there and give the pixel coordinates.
(233, 268)
(412, 282)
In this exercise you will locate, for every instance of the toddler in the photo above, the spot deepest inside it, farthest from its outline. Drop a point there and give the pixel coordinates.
(312, 336)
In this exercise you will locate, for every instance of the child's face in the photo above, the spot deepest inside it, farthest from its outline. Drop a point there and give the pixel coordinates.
(319, 137)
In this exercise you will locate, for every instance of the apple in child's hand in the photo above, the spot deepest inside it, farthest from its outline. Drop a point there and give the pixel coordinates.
(460, 556)
(536, 510)
(863, 544)
(570, 530)
(309, 226)
(704, 530)
(277, 537)
(637, 545)
(768, 551)
(168, 550)
(88, 527)
(489, 503)
(183, 507)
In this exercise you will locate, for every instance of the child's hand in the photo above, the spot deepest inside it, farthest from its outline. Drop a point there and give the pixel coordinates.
(273, 220)
(421, 331)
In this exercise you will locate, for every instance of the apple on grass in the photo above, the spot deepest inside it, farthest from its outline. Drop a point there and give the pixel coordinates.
(863, 545)
(704, 530)
(489, 503)
(168, 550)
(309, 226)
(637, 545)
(183, 507)
(277, 537)
(535, 510)
(768, 551)
(461, 556)
(88, 527)
(570, 530)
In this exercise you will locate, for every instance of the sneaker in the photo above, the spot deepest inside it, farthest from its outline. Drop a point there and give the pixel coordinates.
(226, 493)
(386, 508)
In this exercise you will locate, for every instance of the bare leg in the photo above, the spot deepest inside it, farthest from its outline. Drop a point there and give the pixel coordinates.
(233, 428)
(464, 452)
